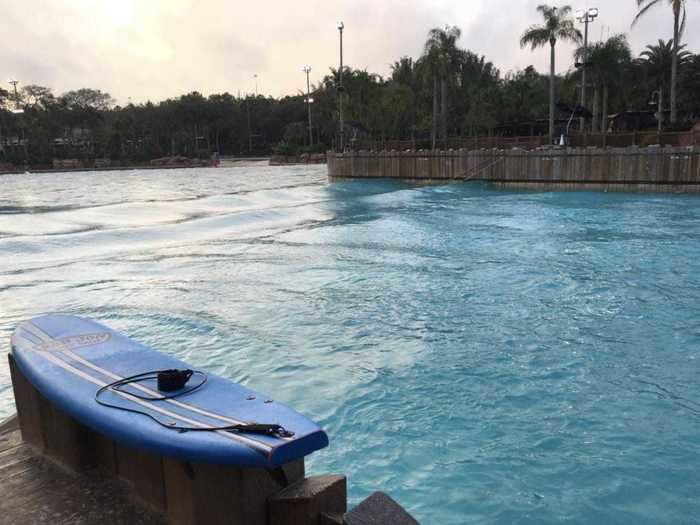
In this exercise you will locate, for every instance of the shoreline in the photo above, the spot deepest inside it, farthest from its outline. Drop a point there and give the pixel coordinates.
(228, 163)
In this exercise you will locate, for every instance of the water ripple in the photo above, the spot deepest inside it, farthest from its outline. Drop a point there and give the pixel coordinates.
(484, 356)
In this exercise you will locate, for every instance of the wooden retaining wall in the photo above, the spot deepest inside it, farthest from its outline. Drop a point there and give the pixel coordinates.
(637, 169)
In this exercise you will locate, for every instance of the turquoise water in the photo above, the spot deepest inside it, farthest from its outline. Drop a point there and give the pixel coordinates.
(483, 356)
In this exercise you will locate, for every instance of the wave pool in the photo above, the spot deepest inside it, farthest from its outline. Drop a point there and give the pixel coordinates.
(483, 356)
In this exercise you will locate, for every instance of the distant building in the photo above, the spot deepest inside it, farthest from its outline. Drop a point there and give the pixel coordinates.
(533, 128)
(634, 121)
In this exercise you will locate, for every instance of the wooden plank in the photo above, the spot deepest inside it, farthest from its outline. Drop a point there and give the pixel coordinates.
(66, 440)
(144, 472)
(105, 453)
(219, 494)
(27, 403)
(48, 428)
(178, 476)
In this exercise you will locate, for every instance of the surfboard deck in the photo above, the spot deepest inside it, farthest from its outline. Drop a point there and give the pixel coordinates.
(69, 358)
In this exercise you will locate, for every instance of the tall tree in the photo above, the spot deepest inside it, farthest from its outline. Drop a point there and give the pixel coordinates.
(479, 89)
(657, 60)
(442, 54)
(404, 73)
(608, 59)
(38, 96)
(558, 25)
(679, 16)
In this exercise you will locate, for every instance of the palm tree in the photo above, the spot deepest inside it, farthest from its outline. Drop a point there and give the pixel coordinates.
(442, 56)
(607, 61)
(657, 60)
(558, 25)
(679, 16)
(478, 80)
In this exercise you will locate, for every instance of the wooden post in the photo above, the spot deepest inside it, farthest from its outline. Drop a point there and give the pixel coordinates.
(49, 429)
(220, 494)
(27, 402)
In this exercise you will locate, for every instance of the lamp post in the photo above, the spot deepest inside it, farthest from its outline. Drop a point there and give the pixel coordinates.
(19, 111)
(585, 16)
(307, 69)
(341, 90)
(250, 132)
(14, 85)
(657, 99)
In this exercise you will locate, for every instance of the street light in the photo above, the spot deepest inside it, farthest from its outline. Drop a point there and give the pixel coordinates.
(341, 89)
(657, 99)
(585, 16)
(17, 110)
(307, 69)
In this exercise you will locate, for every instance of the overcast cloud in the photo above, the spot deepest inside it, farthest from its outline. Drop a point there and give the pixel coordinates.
(154, 49)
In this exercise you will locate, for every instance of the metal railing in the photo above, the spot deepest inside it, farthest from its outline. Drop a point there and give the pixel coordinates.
(600, 140)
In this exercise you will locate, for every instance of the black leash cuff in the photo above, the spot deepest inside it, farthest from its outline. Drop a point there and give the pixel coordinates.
(175, 381)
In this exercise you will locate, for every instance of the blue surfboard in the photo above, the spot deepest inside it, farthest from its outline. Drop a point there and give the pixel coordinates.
(69, 359)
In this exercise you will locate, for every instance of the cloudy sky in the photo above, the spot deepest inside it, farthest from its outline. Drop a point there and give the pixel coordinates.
(153, 49)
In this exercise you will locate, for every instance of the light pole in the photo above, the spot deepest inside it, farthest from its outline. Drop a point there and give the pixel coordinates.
(657, 99)
(18, 111)
(585, 16)
(14, 85)
(307, 69)
(341, 90)
(250, 132)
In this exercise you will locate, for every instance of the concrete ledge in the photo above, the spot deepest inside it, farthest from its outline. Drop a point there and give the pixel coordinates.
(379, 509)
(303, 502)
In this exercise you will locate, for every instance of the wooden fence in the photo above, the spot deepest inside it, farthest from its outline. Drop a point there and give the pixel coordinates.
(616, 140)
(666, 169)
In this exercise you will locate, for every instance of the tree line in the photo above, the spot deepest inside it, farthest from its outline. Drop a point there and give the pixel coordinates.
(447, 91)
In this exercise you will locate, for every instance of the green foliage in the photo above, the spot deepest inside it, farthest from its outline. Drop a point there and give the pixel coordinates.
(285, 149)
(446, 92)
(656, 60)
(558, 26)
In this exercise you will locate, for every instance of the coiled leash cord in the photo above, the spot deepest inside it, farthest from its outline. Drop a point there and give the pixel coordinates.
(174, 381)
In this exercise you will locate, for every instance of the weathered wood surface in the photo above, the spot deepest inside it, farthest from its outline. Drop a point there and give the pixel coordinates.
(641, 169)
(208, 494)
(35, 490)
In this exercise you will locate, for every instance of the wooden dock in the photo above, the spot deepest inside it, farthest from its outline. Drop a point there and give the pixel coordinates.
(36, 490)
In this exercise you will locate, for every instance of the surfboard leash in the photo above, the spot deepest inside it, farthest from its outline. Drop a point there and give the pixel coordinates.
(174, 381)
